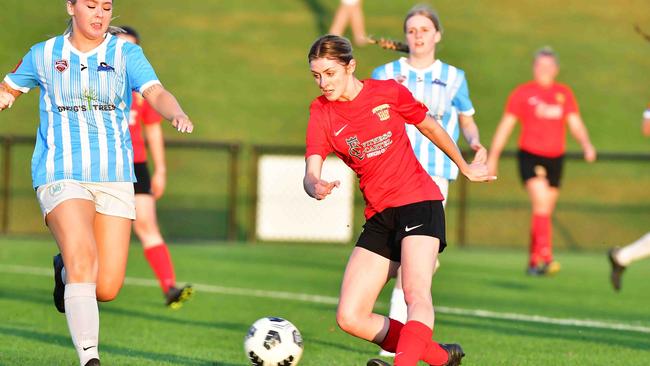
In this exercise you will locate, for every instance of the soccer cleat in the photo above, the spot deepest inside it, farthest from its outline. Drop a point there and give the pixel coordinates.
(385, 353)
(550, 268)
(177, 296)
(92, 362)
(617, 269)
(533, 271)
(455, 353)
(377, 362)
(59, 286)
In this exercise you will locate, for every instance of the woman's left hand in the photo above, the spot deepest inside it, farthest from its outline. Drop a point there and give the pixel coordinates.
(478, 172)
(590, 154)
(182, 123)
(480, 153)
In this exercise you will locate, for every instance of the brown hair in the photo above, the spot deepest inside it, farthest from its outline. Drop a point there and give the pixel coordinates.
(426, 11)
(331, 47)
(546, 51)
(111, 29)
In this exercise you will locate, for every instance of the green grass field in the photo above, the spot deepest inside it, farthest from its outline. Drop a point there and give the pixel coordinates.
(138, 330)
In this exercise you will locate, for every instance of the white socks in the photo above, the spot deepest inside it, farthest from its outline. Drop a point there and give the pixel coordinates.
(82, 314)
(635, 251)
(398, 310)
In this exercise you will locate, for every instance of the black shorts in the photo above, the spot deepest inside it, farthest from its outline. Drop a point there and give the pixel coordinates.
(531, 166)
(383, 233)
(143, 185)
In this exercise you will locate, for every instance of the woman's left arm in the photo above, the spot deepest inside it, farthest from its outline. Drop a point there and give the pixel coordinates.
(435, 133)
(580, 133)
(167, 106)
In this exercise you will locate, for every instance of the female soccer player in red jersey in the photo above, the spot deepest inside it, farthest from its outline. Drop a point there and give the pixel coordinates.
(149, 189)
(543, 107)
(362, 122)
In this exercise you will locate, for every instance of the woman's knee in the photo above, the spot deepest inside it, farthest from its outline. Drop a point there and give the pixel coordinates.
(108, 292)
(415, 294)
(80, 267)
(347, 319)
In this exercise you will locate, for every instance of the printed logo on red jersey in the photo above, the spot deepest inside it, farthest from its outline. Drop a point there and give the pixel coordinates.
(61, 65)
(560, 98)
(382, 111)
(355, 148)
(17, 66)
(371, 148)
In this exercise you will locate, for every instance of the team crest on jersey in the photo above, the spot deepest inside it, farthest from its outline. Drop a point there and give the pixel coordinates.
(356, 149)
(400, 78)
(61, 65)
(382, 111)
(559, 97)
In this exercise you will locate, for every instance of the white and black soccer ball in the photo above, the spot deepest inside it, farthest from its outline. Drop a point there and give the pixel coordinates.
(273, 342)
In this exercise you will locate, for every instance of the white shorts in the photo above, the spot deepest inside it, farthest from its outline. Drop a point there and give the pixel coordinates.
(443, 184)
(110, 198)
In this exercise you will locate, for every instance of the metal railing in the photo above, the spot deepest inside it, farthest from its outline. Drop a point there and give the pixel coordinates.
(233, 150)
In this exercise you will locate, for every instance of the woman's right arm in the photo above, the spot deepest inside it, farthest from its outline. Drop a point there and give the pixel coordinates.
(8, 96)
(499, 140)
(314, 186)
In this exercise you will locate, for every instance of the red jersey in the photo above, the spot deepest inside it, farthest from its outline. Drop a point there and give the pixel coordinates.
(542, 113)
(141, 113)
(369, 135)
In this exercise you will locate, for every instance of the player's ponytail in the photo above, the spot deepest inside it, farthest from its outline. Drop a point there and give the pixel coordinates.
(426, 11)
(111, 29)
(332, 47)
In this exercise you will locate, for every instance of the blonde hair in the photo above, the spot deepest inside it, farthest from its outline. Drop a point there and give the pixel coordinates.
(111, 29)
(426, 11)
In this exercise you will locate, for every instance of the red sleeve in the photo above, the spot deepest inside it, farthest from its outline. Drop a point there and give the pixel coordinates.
(513, 105)
(407, 106)
(317, 141)
(571, 105)
(149, 115)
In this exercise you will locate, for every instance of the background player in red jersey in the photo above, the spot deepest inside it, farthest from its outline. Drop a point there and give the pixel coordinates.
(149, 189)
(544, 108)
(620, 258)
(363, 123)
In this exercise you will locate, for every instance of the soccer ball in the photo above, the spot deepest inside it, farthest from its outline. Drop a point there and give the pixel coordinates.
(273, 342)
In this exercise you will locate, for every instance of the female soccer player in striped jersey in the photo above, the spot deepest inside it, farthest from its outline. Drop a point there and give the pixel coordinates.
(148, 189)
(543, 107)
(82, 167)
(443, 89)
(620, 258)
(363, 123)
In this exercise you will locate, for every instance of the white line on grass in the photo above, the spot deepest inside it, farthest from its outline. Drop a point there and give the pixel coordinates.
(331, 300)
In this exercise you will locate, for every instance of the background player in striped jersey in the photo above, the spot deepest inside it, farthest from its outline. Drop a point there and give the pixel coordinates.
(82, 167)
(363, 123)
(620, 258)
(543, 107)
(443, 89)
(149, 189)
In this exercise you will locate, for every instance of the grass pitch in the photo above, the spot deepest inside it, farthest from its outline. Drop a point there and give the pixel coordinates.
(239, 283)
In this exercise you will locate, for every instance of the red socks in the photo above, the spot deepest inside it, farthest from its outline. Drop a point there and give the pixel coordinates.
(540, 240)
(390, 342)
(412, 343)
(161, 263)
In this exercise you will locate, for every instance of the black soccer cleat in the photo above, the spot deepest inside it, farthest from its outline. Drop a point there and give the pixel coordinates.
(59, 286)
(617, 269)
(455, 353)
(377, 362)
(175, 297)
(92, 362)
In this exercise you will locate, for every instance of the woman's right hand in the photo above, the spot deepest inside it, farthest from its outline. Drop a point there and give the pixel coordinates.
(6, 99)
(478, 172)
(321, 188)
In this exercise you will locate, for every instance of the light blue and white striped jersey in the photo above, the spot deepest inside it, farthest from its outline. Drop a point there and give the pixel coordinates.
(84, 108)
(443, 89)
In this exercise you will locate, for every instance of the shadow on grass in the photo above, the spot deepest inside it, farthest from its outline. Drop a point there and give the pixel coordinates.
(64, 341)
(606, 337)
(320, 13)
